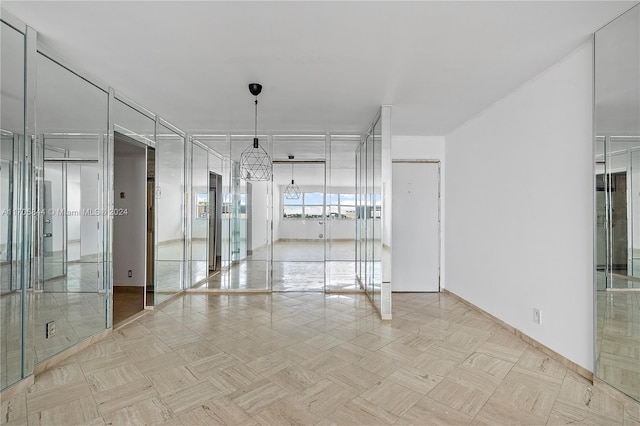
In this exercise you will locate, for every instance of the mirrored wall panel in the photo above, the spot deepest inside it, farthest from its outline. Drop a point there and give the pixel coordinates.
(170, 213)
(12, 286)
(617, 199)
(246, 206)
(341, 213)
(232, 224)
(200, 212)
(373, 212)
(70, 275)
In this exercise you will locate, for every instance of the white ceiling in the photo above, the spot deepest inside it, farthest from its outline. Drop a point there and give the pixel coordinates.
(325, 66)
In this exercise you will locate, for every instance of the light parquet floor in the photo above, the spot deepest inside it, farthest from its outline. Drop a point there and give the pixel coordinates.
(314, 359)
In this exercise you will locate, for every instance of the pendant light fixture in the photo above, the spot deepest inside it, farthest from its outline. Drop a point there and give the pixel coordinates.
(292, 192)
(255, 163)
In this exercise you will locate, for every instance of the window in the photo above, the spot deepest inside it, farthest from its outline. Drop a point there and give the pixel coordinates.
(310, 206)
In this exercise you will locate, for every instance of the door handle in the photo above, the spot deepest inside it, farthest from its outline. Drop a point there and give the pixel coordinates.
(48, 234)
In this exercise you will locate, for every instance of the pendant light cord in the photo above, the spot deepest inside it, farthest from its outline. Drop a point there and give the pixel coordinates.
(255, 127)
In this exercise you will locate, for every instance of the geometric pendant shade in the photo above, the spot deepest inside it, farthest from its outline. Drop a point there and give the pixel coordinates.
(255, 163)
(292, 192)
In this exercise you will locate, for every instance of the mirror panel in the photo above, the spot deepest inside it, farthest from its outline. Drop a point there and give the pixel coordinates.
(246, 204)
(12, 294)
(200, 214)
(617, 202)
(169, 209)
(70, 274)
(341, 213)
(374, 212)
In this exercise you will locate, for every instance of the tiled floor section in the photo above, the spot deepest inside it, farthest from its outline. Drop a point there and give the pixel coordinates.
(296, 358)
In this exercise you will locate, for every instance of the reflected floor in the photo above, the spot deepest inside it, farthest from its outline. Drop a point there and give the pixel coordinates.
(6, 276)
(80, 278)
(618, 281)
(618, 359)
(297, 266)
(314, 359)
(76, 315)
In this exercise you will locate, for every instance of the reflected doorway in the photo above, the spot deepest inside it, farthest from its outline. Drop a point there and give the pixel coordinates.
(151, 226)
(618, 229)
(215, 222)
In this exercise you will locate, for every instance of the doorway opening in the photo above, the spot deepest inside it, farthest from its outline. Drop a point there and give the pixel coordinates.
(298, 249)
(131, 229)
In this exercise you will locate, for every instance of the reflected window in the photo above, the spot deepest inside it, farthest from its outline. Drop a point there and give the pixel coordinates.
(202, 205)
(310, 206)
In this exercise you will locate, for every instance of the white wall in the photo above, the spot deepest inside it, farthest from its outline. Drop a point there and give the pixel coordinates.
(89, 200)
(417, 147)
(519, 206)
(129, 231)
(169, 206)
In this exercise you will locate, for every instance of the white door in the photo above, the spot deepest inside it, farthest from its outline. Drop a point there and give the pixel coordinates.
(416, 227)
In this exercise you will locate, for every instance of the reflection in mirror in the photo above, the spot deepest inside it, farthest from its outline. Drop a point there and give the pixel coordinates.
(170, 218)
(373, 213)
(245, 205)
(214, 236)
(369, 218)
(617, 221)
(12, 294)
(299, 225)
(376, 217)
(200, 214)
(217, 177)
(72, 124)
(238, 239)
(365, 216)
(72, 243)
(341, 214)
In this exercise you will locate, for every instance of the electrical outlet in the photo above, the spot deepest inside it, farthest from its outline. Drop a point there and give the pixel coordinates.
(537, 316)
(130, 273)
(50, 329)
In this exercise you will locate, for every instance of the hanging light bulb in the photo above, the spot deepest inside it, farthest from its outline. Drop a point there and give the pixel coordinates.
(292, 192)
(255, 163)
